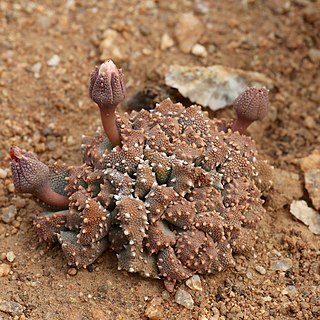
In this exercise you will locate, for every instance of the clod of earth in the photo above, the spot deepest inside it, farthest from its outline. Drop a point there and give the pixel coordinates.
(171, 191)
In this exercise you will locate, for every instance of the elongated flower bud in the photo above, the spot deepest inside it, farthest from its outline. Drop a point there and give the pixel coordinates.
(106, 87)
(251, 105)
(29, 174)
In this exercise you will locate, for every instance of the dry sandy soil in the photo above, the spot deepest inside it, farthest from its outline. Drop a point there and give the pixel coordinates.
(47, 111)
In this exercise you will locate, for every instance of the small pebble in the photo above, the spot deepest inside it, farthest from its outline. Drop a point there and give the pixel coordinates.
(314, 55)
(3, 173)
(194, 283)
(201, 7)
(71, 141)
(165, 295)
(19, 202)
(11, 256)
(52, 145)
(72, 271)
(4, 269)
(70, 4)
(36, 68)
(184, 298)
(154, 309)
(53, 61)
(267, 299)
(146, 51)
(199, 50)
(281, 265)
(11, 307)
(10, 187)
(8, 214)
(261, 270)
(290, 291)
(310, 122)
(166, 42)
(215, 313)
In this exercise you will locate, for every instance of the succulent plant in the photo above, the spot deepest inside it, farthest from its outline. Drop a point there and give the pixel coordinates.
(170, 191)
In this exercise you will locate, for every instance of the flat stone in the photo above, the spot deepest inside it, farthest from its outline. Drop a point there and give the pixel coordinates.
(184, 298)
(8, 214)
(19, 202)
(312, 183)
(72, 271)
(199, 50)
(166, 42)
(215, 86)
(314, 55)
(10, 187)
(53, 61)
(188, 31)
(201, 7)
(4, 269)
(290, 291)
(194, 283)
(267, 299)
(215, 314)
(154, 309)
(36, 69)
(307, 215)
(11, 307)
(311, 167)
(10, 256)
(261, 269)
(281, 265)
(287, 186)
(3, 173)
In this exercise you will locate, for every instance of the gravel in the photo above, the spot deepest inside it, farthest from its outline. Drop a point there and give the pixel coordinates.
(9, 214)
(53, 61)
(4, 269)
(261, 270)
(11, 307)
(10, 256)
(281, 265)
(194, 283)
(184, 298)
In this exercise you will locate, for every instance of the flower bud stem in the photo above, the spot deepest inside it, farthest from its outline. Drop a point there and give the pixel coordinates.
(240, 125)
(108, 119)
(50, 197)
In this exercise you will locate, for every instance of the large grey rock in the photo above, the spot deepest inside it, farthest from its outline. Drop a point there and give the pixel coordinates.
(307, 215)
(215, 86)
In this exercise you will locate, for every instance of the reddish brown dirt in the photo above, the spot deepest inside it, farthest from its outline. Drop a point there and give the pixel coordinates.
(49, 114)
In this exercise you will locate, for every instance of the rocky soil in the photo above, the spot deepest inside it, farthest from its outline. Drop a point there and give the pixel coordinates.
(47, 49)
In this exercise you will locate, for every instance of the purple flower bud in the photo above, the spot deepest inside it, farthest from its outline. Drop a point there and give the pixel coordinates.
(106, 85)
(29, 174)
(251, 105)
